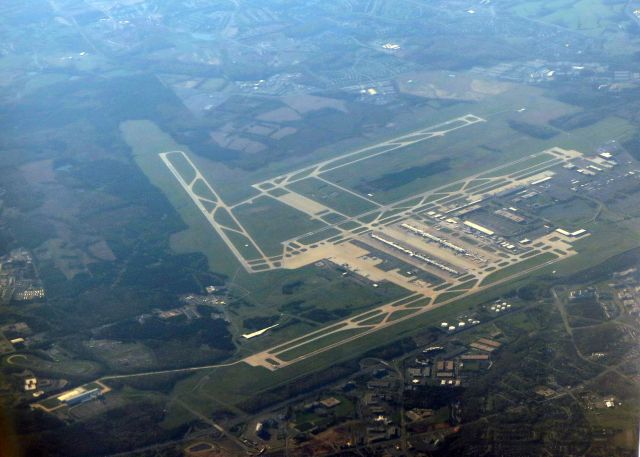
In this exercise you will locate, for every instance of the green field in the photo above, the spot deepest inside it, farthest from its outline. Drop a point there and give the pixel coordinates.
(288, 330)
(331, 196)
(243, 245)
(67, 367)
(518, 268)
(317, 296)
(320, 343)
(182, 166)
(146, 141)
(401, 314)
(588, 16)
(571, 213)
(284, 222)
(406, 171)
(522, 164)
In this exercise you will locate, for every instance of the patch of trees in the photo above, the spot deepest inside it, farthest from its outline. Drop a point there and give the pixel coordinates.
(299, 386)
(431, 397)
(259, 322)
(393, 349)
(577, 120)
(121, 429)
(290, 287)
(542, 132)
(212, 332)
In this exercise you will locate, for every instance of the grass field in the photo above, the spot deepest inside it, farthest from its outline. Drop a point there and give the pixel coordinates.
(587, 16)
(146, 140)
(184, 168)
(67, 367)
(519, 267)
(318, 344)
(527, 162)
(243, 245)
(571, 213)
(406, 171)
(284, 222)
(607, 240)
(332, 196)
(317, 295)
(277, 335)
(401, 314)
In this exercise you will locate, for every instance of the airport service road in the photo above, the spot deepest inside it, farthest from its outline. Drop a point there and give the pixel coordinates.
(172, 371)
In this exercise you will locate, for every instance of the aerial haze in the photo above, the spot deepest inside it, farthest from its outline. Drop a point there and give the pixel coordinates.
(332, 228)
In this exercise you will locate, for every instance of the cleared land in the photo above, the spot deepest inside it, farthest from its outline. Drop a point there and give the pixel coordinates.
(319, 216)
(275, 245)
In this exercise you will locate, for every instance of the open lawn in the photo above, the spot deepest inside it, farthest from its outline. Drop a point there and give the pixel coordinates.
(284, 222)
(320, 343)
(331, 196)
(519, 268)
(593, 17)
(422, 166)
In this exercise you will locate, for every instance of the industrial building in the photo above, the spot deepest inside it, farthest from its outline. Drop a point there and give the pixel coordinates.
(479, 228)
(79, 395)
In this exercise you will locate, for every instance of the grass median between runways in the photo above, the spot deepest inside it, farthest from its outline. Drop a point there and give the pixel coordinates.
(320, 343)
(519, 267)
